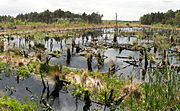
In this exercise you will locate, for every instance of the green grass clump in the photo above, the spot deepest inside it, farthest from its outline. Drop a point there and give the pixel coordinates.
(10, 104)
(161, 42)
(159, 93)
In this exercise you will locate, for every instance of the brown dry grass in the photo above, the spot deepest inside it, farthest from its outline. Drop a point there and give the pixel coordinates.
(22, 29)
(112, 64)
(131, 90)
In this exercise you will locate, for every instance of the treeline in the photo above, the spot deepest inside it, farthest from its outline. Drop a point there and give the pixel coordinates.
(169, 18)
(5, 18)
(51, 17)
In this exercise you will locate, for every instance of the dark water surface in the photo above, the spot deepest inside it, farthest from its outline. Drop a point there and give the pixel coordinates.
(65, 101)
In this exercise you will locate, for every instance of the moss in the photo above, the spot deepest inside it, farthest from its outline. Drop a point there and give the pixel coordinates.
(77, 71)
(44, 68)
(23, 72)
(10, 104)
(39, 45)
(60, 35)
(66, 70)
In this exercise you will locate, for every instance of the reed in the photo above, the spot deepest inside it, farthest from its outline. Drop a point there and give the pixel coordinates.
(160, 92)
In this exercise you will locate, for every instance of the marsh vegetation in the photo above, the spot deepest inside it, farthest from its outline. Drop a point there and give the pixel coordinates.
(92, 68)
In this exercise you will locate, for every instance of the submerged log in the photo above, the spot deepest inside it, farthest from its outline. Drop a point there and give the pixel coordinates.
(131, 63)
(119, 100)
(87, 100)
(100, 59)
(115, 38)
(112, 68)
(77, 48)
(1, 46)
(57, 87)
(68, 56)
(143, 73)
(146, 59)
(110, 99)
(73, 44)
(89, 61)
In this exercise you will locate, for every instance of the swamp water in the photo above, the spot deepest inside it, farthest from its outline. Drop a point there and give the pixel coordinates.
(32, 87)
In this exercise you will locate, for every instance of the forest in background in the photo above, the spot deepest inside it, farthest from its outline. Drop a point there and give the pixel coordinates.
(169, 18)
(56, 16)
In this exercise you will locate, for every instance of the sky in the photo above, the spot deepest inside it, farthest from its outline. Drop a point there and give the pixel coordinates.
(126, 9)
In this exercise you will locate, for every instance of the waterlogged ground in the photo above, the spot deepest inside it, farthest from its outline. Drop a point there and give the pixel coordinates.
(32, 87)
(104, 36)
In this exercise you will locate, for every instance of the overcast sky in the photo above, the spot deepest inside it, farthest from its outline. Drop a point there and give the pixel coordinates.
(126, 9)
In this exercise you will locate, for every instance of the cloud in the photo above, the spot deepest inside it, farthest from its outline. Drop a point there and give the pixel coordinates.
(167, 1)
(126, 9)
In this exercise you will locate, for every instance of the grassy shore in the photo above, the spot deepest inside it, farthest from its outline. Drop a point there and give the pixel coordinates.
(30, 27)
(10, 104)
(160, 91)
